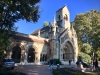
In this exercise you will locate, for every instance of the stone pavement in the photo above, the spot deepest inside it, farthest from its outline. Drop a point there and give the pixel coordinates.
(34, 69)
(42, 69)
(37, 69)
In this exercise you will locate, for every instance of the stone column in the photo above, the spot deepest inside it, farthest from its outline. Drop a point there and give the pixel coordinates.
(61, 59)
(75, 57)
(10, 54)
(57, 54)
(25, 58)
(37, 57)
(7, 52)
(22, 55)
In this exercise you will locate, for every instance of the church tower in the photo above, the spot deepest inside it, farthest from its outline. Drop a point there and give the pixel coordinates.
(63, 17)
(54, 50)
(60, 23)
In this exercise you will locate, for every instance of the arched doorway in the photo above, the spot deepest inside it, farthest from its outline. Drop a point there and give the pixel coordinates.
(16, 54)
(31, 55)
(68, 52)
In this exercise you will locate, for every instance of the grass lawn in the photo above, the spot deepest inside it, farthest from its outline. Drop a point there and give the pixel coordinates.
(68, 71)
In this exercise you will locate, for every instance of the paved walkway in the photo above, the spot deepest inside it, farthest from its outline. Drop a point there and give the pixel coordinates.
(42, 69)
(37, 69)
(34, 69)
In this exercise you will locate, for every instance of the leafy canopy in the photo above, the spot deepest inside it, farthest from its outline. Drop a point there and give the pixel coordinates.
(13, 10)
(45, 23)
(87, 26)
(87, 48)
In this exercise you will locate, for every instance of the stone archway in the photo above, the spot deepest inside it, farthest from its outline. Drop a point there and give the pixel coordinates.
(31, 55)
(68, 51)
(16, 54)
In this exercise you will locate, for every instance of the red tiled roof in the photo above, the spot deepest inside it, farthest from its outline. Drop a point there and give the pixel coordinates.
(18, 37)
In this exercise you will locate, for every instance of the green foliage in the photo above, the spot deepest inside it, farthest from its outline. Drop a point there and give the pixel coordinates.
(98, 53)
(85, 57)
(46, 23)
(87, 26)
(87, 48)
(4, 42)
(69, 71)
(99, 62)
(7, 72)
(56, 61)
(13, 10)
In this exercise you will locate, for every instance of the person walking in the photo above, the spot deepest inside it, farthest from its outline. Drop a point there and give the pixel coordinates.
(93, 64)
(96, 65)
(51, 64)
(69, 62)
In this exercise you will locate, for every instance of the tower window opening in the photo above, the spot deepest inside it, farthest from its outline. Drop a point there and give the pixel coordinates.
(66, 17)
(59, 17)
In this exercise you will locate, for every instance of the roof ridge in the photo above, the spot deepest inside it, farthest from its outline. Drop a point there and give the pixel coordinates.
(61, 8)
(62, 33)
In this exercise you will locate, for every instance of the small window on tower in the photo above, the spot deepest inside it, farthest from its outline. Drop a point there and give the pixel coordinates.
(63, 56)
(66, 17)
(46, 35)
(59, 17)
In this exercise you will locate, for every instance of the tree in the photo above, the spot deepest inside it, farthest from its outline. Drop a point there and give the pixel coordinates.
(87, 48)
(98, 53)
(12, 11)
(46, 23)
(87, 26)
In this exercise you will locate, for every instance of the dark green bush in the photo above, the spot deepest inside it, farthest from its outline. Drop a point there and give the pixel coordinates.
(16, 73)
(7, 72)
(85, 57)
(68, 71)
(56, 61)
(99, 62)
(3, 72)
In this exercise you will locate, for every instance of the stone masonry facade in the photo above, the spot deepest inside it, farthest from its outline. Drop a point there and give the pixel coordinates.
(58, 40)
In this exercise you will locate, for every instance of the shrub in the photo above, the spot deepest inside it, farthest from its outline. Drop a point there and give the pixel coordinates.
(16, 73)
(68, 71)
(7, 72)
(85, 57)
(99, 62)
(55, 62)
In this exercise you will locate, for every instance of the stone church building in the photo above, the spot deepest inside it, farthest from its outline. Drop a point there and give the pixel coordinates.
(58, 40)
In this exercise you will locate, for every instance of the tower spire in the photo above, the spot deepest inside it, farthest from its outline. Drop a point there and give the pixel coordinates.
(54, 21)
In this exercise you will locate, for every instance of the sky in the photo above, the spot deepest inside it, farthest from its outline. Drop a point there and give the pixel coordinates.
(48, 9)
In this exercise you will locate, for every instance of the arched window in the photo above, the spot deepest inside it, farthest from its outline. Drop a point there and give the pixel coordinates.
(16, 54)
(41, 57)
(63, 56)
(66, 17)
(59, 17)
(31, 55)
